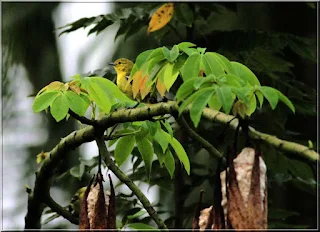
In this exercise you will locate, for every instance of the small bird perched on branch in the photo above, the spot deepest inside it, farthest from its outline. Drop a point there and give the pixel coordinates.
(123, 68)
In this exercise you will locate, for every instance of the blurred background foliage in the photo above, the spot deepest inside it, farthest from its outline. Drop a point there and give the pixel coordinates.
(277, 41)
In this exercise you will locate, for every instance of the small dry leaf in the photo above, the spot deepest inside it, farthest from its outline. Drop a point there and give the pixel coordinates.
(239, 108)
(75, 88)
(161, 17)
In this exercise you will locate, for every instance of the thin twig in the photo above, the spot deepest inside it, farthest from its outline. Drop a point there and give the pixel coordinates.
(61, 210)
(208, 146)
(83, 119)
(127, 181)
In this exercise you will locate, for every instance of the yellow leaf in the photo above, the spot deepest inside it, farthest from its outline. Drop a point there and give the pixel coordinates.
(135, 83)
(161, 17)
(55, 85)
(161, 87)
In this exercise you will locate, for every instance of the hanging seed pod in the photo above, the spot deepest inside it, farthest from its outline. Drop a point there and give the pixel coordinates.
(111, 221)
(246, 206)
(84, 219)
(95, 207)
(196, 218)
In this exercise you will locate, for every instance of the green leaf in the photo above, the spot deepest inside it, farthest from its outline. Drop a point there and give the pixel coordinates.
(183, 45)
(212, 65)
(112, 90)
(140, 61)
(190, 99)
(153, 127)
(285, 100)
(241, 95)
(162, 139)
(75, 103)
(252, 104)
(226, 64)
(191, 67)
(214, 102)
(124, 149)
(260, 97)
(181, 153)
(158, 151)
(97, 94)
(225, 96)
(44, 100)
(169, 162)
(232, 80)
(271, 95)
(136, 215)
(141, 226)
(168, 127)
(169, 76)
(186, 89)
(59, 107)
(184, 14)
(146, 150)
(245, 73)
(198, 105)
(171, 55)
(78, 171)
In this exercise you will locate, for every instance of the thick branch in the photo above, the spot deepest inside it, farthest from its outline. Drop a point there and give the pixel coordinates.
(87, 134)
(127, 181)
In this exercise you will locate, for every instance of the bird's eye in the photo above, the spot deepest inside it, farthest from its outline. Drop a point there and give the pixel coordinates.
(119, 62)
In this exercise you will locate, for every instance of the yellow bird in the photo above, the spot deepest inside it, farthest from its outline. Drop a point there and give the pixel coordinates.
(123, 68)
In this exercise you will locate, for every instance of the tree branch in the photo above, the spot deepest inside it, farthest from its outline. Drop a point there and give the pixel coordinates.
(87, 134)
(127, 181)
(83, 119)
(208, 146)
(60, 210)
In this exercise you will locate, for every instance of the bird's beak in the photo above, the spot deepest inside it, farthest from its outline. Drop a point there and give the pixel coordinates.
(111, 63)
